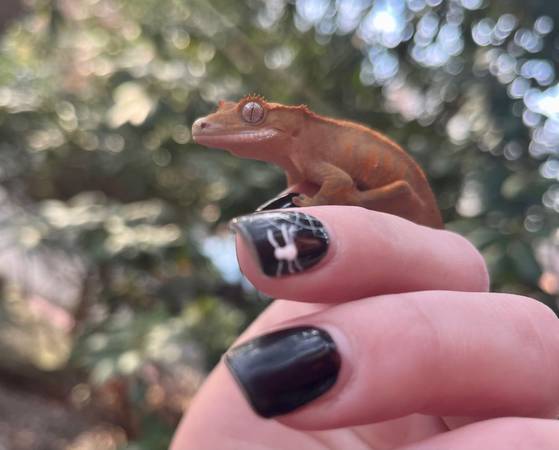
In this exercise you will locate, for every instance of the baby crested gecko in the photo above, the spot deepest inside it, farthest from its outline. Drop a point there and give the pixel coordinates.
(349, 163)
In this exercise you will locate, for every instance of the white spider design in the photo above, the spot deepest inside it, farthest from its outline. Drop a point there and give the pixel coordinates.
(288, 253)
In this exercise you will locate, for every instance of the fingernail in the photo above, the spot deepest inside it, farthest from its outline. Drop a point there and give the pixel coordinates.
(281, 202)
(284, 242)
(281, 371)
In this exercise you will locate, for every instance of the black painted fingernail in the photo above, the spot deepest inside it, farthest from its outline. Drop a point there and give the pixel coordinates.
(281, 202)
(285, 242)
(281, 371)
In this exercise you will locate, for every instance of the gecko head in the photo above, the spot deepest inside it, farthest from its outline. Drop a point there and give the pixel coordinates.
(252, 128)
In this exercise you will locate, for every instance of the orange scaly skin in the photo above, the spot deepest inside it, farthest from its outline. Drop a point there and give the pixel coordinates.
(349, 163)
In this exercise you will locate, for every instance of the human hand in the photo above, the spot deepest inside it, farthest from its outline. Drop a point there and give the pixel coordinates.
(390, 341)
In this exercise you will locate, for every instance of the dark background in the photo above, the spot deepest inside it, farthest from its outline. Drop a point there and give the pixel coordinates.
(119, 285)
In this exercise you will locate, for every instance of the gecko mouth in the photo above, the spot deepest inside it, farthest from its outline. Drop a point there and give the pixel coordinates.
(238, 137)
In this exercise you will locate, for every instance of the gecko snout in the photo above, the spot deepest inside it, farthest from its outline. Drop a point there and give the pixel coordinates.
(199, 125)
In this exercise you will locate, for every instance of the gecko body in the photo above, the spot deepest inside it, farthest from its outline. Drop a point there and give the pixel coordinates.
(350, 164)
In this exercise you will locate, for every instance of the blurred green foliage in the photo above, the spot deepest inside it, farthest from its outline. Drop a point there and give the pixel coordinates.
(108, 205)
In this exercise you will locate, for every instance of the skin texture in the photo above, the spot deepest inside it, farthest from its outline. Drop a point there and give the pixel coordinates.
(348, 163)
(429, 362)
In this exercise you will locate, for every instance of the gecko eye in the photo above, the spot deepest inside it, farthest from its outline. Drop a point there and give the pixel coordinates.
(252, 112)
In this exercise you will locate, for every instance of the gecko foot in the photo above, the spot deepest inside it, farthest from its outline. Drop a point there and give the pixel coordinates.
(303, 200)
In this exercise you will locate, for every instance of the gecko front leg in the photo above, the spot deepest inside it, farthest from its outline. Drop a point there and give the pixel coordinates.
(336, 186)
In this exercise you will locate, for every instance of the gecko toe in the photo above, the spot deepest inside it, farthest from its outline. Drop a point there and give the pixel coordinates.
(302, 200)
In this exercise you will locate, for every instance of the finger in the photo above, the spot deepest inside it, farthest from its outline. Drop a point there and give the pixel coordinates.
(497, 434)
(341, 253)
(219, 416)
(436, 353)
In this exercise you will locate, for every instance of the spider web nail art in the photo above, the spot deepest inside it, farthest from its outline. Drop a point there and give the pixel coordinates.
(285, 242)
